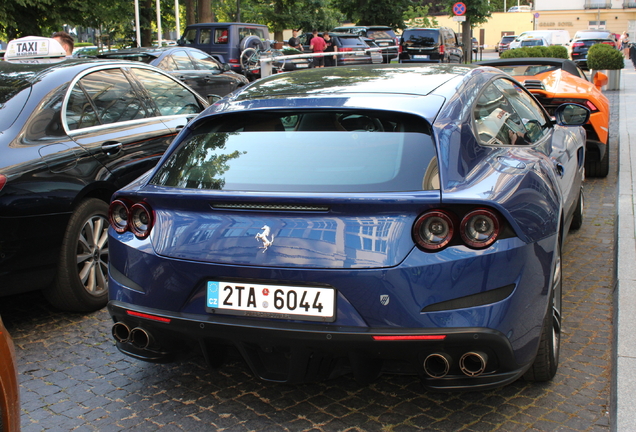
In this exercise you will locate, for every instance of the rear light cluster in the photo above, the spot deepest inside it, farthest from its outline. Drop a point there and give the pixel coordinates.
(586, 103)
(609, 43)
(3, 181)
(577, 44)
(436, 229)
(137, 218)
(442, 49)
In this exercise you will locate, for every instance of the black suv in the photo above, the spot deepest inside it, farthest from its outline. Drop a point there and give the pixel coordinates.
(226, 40)
(383, 36)
(430, 45)
(583, 41)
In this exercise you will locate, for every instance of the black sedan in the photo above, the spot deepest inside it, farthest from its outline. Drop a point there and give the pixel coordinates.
(72, 132)
(199, 70)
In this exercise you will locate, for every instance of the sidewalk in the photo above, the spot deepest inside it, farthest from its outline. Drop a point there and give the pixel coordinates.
(624, 367)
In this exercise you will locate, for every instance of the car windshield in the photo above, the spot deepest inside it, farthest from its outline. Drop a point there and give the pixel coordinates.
(379, 34)
(507, 39)
(526, 70)
(306, 152)
(532, 42)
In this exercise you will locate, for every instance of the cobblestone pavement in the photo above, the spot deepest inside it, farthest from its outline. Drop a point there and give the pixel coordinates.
(73, 378)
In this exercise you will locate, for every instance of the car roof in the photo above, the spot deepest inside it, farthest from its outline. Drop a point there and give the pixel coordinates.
(32, 72)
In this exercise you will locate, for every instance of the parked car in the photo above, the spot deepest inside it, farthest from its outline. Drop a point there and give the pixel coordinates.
(521, 8)
(384, 36)
(504, 43)
(555, 81)
(9, 390)
(553, 37)
(430, 45)
(72, 132)
(354, 47)
(375, 218)
(202, 72)
(583, 41)
(225, 40)
(475, 44)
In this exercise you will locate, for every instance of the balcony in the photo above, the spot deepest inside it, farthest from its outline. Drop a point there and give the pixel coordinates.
(596, 4)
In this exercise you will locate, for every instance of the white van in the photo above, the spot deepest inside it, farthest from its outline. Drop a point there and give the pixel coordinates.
(554, 37)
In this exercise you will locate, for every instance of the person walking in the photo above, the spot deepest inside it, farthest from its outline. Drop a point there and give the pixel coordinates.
(632, 53)
(623, 44)
(331, 48)
(318, 45)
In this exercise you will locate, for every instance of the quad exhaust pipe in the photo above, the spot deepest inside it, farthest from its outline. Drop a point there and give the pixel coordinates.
(472, 364)
(138, 337)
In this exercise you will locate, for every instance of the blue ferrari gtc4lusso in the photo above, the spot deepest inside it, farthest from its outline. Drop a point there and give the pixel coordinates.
(363, 220)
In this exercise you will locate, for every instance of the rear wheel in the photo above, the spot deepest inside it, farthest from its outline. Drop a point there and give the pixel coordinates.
(598, 168)
(81, 283)
(546, 362)
(577, 217)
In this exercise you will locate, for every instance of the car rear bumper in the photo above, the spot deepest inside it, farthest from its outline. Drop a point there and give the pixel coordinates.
(447, 359)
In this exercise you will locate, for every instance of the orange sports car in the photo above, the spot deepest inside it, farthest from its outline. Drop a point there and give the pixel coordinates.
(9, 391)
(555, 81)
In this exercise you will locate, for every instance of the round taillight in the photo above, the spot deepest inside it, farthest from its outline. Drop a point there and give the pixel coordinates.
(433, 230)
(479, 228)
(141, 220)
(118, 216)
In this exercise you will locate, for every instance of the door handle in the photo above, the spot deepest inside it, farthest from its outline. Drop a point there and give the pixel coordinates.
(111, 147)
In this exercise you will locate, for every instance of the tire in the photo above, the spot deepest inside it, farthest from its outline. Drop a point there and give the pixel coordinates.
(81, 283)
(598, 168)
(251, 42)
(546, 362)
(577, 217)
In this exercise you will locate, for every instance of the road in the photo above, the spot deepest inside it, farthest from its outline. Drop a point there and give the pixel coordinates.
(73, 378)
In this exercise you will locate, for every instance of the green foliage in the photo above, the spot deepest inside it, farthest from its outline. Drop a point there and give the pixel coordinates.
(370, 12)
(602, 56)
(538, 51)
(417, 16)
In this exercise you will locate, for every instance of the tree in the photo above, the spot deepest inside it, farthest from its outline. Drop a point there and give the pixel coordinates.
(418, 16)
(370, 12)
(477, 12)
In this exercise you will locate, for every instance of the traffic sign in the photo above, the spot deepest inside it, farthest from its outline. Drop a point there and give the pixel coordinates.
(459, 8)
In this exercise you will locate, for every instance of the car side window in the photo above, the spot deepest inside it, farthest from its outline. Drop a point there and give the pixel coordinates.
(167, 64)
(205, 36)
(204, 62)
(182, 60)
(112, 96)
(190, 36)
(79, 110)
(220, 35)
(532, 115)
(170, 97)
(496, 121)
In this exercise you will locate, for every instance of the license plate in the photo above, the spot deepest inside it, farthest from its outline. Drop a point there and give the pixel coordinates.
(301, 65)
(383, 44)
(271, 301)
(422, 57)
(359, 53)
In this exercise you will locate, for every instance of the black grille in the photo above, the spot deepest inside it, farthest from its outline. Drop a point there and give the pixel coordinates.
(534, 85)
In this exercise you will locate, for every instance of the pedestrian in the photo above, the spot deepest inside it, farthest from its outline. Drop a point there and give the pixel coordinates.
(66, 40)
(632, 53)
(318, 45)
(294, 41)
(331, 47)
(623, 44)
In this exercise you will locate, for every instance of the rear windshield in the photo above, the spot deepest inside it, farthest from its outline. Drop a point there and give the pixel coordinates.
(14, 92)
(305, 152)
(421, 37)
(140, 57)
(380, 34)
(508, 39)
(351, 41)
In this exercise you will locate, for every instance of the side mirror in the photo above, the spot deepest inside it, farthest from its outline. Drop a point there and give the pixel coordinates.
(599, 79)
(226, 67)
(181, 42)
(212, 98)
(570, 114)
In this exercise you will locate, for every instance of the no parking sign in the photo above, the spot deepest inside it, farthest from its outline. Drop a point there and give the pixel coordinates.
(459, 8)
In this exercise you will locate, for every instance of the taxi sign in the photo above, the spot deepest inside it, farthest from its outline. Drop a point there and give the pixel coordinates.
(34, 47)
